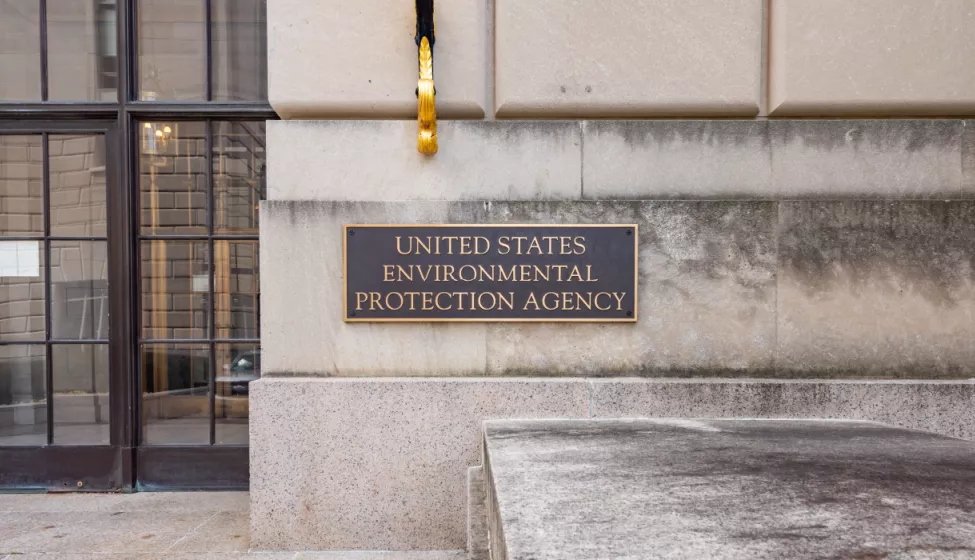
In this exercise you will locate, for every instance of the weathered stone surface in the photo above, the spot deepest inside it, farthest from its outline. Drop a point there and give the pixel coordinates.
(706, 301)
(302, 331)
(876, 289)
(666, 57)
(377, 160)
(835, 289)
(867, 158)
(968, 158)
(379, 464)
(678, 488)
(359, 59)
(871, 57)
(676, 159)
(477, 529)
(544, 160)
(942, 407)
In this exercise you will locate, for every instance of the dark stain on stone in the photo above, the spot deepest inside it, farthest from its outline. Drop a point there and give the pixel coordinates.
(712, 133)
(508, 132)
(925, 247)
(877, 135)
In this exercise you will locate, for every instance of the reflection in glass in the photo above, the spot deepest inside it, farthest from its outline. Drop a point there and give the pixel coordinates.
(23, 405)
(21, 187)
(81, 413)
(78, 192)
(82, 61)
(172, 50)
(239, 178)
(236, 287)
(237, 366)
(20, 50)
(172, 179)
(239, 50)
(175, 289)
(22, 290)
(79, 289)
(175, 394)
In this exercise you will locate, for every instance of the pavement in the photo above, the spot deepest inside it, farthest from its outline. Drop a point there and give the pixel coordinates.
(148, 526)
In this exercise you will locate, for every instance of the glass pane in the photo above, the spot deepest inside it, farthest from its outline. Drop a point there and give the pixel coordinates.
(79, 289)
(236, 288)
(172, 50)
(82, 62)
(78, 191)
(237, 366)
(239, 50)
(22, 290)
(172, 178)
(23, 405)
(175, 394)
(81, 415)
(20, 50)
(239, 175)
(21, 187)
(175, 289)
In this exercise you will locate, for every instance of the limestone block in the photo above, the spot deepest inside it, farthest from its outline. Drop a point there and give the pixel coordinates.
(627, 58)
(942, 407)
(359, 59)
(706, 281)
(867, 158)
(379, 464)
(706, 302)
(676, 159)
(377, 160)
(871, 57)
(882, 289)
(302, 331)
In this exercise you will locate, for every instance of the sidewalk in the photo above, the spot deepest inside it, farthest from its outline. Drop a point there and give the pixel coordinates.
(146, 526)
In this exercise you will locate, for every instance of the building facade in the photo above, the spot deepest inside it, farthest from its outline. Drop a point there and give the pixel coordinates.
(132, 165)
(802, 175)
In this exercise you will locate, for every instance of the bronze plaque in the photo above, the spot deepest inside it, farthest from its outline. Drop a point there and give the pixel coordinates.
(473, 272)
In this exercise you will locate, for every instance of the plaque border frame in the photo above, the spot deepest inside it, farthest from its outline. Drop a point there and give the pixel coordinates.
(345, 276)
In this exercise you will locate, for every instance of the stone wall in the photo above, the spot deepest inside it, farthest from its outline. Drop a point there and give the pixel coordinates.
(833, 259)
(627, 58)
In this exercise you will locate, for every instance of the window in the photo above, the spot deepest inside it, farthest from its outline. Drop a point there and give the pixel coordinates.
(200, 183)
(129, 261)
(54, 319)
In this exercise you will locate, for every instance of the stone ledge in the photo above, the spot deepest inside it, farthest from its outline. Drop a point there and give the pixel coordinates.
(711, 488)
(942, 407)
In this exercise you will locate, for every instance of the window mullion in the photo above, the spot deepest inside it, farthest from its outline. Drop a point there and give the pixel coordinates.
(48, 308)
(211, 330)
(208, 40)
(42, 22)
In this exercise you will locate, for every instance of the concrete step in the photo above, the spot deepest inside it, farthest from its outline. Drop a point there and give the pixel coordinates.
(641, 488)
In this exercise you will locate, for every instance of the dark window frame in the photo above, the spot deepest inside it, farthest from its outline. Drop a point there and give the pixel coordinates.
(120, 120)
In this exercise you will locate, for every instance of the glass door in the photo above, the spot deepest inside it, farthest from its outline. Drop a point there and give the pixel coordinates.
(61, 415)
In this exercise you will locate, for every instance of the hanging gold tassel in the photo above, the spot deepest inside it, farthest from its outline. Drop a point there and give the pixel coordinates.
(426, 102)
(426, 93)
